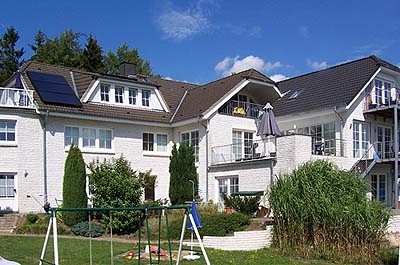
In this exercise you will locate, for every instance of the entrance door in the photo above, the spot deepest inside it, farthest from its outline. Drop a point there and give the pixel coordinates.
(8, 198)
(379, 187)
(384, 137)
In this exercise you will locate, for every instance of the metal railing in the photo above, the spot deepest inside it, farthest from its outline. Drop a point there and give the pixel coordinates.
(387, 98)
(328, 147)
(365, 162)
(243, 151)
(14, 97)
(242, 109)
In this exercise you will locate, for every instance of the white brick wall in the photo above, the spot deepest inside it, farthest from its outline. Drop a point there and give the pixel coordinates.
(241, 241)
(25, 160)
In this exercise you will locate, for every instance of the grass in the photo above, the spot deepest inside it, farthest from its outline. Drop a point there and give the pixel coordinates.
(26, 250)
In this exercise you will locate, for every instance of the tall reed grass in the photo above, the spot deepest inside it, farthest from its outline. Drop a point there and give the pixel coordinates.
(321, 211)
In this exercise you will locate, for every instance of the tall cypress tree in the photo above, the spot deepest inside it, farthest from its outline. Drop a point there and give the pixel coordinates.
(74, 187)
(182, 169)
(10, 57)
(92, 58)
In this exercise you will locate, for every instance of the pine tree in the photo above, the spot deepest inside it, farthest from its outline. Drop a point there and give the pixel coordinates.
(40, 39)
(92, 59)
(182, 169)
(74, 187)
(10, 58)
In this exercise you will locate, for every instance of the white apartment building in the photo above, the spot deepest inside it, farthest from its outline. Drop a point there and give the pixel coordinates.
(344, 114)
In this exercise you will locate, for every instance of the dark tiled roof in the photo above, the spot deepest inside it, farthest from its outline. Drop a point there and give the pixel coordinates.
(335, 86)
(201, 98)
(171, 91)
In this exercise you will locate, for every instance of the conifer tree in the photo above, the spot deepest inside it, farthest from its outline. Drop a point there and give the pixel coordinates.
(10, 57)
(92, 59)
(182, 169)
(40, 39)
(74, 187)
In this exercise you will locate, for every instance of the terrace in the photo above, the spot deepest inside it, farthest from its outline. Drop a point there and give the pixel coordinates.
(15, 97)
(242, 109)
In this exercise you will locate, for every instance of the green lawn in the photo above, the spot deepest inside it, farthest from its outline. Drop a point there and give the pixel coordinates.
(26, 250)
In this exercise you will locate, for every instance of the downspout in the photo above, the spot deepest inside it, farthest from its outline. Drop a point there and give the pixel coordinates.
(341, 130)
(45, 157)
(206, 128)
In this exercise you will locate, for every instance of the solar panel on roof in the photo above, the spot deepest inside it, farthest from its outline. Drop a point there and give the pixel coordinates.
(53, 89)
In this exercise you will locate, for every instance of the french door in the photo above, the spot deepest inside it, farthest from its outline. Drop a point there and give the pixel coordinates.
(379, 187)
(384, 138)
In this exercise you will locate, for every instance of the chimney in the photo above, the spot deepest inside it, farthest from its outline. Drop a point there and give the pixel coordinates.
(127, 69)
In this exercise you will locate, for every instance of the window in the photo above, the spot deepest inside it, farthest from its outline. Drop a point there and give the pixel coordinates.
(119, 94)
(146, 98)
(228, 186)
(149, 188)
(378, 187)
(192, 138)
(295, 94)
(7, 186)
(90, 137)
(242, 144)
(132, 96)
(323, 138)
(148, 142)
(71, 136)
(105, 138)
(105, 92)
(360, 139)
(7, 131)
(161, 143)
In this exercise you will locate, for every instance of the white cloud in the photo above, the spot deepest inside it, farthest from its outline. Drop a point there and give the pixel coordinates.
(234, 65)
(181, 24)
(317, 65)
(278, 77)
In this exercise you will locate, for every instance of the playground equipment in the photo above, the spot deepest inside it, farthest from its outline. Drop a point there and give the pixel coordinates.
(188, 214)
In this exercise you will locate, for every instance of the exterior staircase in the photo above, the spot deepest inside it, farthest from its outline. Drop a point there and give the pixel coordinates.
(364, 165)
(8, 222)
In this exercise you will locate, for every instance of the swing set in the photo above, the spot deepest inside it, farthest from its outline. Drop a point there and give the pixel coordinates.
(144, 210)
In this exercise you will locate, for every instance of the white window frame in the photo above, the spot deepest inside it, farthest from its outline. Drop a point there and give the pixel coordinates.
(96, 148)
(87, 135)
(377, 187)
(119, 94)
(241, 146)
(105, 95)
(190, 140)
(230, 185)
(70, 137)
(363, 145)
(7, 131)
(132, 99)
(7, 187)
(146, 99)
(105, 139)
(157, 147)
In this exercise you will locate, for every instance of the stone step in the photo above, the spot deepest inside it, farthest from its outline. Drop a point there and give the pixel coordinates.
(8, 222)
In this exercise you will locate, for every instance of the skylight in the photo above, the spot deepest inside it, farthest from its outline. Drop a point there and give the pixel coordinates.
(295, 94)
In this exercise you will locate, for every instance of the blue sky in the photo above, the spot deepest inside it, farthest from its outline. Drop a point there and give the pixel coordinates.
(199, 41)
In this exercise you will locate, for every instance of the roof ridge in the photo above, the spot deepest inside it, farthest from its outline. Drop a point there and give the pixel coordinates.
(332, 67)
(174, 81)
(60, 66)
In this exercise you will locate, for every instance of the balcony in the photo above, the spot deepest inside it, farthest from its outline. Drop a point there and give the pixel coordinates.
(242, 109)
(328, 147)
(381, 99)
(14, 97)
(244, 151)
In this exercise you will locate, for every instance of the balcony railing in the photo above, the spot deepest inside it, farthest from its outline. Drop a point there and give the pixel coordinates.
(243, 151)
(242, 109)
(14, 97)
(328, 147)
(384, 98)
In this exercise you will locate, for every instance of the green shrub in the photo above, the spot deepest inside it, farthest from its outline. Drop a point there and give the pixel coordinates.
(113, 183)
(247, 205)
(182, 170)
(32, 218)
(83, 229)
(40, 227)
(74, 187)
(220, 224)
(323, 212)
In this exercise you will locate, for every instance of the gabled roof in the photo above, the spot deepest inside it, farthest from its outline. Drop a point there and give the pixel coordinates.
(201, 98)
(332, 87)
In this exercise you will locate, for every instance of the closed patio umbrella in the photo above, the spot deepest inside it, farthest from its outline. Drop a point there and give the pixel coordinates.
(268, 125)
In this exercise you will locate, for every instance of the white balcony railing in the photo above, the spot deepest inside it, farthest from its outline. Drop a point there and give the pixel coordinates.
(14, 97)
(244, 151)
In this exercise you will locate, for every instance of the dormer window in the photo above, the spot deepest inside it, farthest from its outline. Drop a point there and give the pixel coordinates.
(119, 94)
(105, 92)
(132, 96)
(146, 98)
